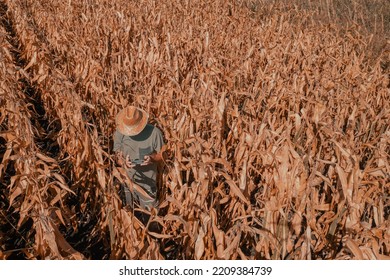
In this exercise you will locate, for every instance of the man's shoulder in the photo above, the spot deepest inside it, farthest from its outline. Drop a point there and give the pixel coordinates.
(154, 129)
(117, 133)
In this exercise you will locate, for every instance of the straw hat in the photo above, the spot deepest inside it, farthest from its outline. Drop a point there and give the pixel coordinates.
(131, 120)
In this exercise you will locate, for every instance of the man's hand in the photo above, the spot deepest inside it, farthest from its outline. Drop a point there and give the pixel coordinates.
(119, 158)
(121, 161)
(152, 158)
(128, 163)
(147, 160)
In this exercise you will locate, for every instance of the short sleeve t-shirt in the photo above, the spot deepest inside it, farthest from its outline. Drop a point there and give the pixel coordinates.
(148, 141)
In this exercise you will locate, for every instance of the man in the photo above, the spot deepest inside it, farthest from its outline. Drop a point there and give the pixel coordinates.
(137, 146)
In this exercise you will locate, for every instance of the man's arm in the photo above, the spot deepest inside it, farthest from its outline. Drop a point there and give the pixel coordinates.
(119, 157)
(158, 147)
(118, 138)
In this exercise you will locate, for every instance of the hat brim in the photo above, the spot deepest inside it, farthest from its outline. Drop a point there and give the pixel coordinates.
(134, 129)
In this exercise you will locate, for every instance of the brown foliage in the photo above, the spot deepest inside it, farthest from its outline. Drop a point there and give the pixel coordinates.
(277, 129)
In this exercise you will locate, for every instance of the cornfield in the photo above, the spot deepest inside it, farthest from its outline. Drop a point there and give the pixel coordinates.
(276, 128)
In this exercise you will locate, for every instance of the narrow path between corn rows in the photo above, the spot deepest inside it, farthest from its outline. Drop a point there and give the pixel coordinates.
(45, 130)
(45, 135)
(15, 240)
